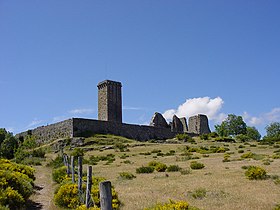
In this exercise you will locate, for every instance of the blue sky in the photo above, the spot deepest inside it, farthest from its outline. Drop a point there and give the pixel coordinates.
(183, 56)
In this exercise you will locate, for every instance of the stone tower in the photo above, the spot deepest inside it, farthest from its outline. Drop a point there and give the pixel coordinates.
(110, 101)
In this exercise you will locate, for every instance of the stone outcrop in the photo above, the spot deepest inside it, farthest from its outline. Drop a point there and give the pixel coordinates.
(158, 121)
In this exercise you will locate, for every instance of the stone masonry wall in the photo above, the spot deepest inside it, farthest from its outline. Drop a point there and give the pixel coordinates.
(82, 127)
(45, 134)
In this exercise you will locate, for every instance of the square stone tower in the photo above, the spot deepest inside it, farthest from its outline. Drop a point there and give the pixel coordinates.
(110, 101)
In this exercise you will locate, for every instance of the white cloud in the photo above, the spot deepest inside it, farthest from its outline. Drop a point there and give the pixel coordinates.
(262, 119)
(81, 111)
(202, 105)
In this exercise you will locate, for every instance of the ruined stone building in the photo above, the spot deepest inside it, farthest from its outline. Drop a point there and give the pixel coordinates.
(110, 122)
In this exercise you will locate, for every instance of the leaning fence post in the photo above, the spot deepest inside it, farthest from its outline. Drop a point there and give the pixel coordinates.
(105, 195)
(89, 183)
(73, 169)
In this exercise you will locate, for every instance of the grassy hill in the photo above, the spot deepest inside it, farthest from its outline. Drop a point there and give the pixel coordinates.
(221, 184)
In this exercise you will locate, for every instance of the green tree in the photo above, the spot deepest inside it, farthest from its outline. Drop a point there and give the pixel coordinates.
(232, 125)
(3, 134)
(253, 133)
(8, 146)
(273, 130)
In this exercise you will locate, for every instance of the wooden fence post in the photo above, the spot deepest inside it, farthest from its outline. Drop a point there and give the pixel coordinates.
(89, 183)
(73, 169)
(105, 195)
(80, 179)
(66, 163)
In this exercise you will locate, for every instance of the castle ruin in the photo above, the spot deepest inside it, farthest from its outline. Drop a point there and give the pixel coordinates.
(110, 122)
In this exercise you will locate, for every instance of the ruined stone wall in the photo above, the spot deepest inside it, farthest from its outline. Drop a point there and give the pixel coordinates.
(83, 127)
(45, 134)
(198, 124)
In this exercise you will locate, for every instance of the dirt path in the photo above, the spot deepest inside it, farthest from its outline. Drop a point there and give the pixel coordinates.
(44, 190)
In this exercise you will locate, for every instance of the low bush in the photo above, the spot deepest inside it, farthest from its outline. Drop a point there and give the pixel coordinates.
(204, 136)
(145, 170)
(173, 168)
(56, 163)
(121, 147)
(77, 152)
(124, 156)
(247, 155)
(185, 137)
(161, 167)
(185, 171)
(213, 134)
(158, 166)
(16, 184)
(196, 165)
(253, 156)
(126, 175)
(255, 173)
(67, 195)
(224, 139)
(176, 205)
(199, 193)
(59, 174)
(226, 157)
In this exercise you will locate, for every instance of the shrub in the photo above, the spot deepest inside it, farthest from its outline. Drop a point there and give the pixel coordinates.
(185, 137)
(176, 205)
(185, 171)
(213, 134)
(11, 198)
(156, 151)
(161, 167)
(38, 153)
(255, 173)
(173, 168)
(196, 165)
(16, 184)
(126, 175)
(145, 170)
(204, 136)
(158, 166)
(59, 174)
(56, 163)
(247, 155)
(226, 157)
(121, 147)
(124, 156)
(67, 195)
(10, 166)
(240, 151)
(77, 152)
(199, 193)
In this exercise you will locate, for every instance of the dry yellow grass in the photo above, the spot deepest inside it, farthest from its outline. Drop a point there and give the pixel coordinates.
(225, 182)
